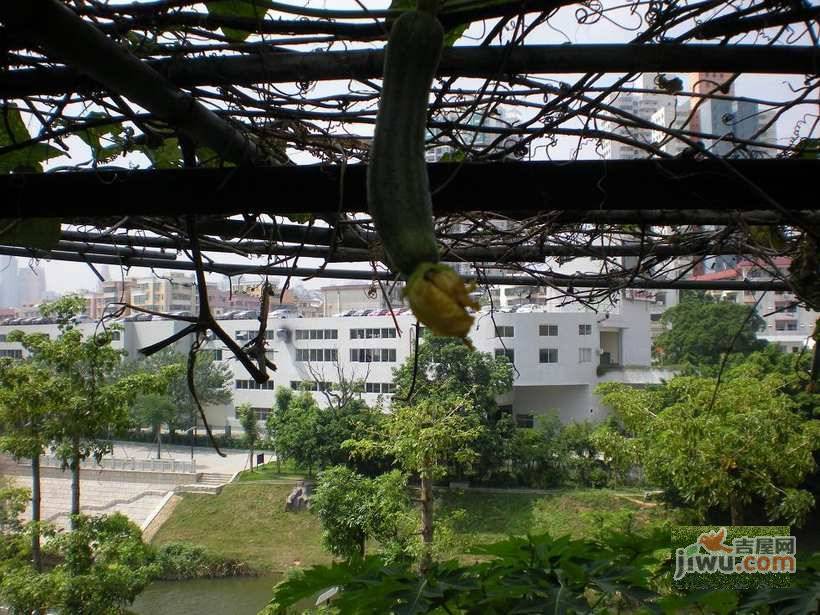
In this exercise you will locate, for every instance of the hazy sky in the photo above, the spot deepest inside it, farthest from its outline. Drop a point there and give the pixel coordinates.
(62, 277)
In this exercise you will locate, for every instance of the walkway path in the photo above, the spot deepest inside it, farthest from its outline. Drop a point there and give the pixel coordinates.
(135, 494)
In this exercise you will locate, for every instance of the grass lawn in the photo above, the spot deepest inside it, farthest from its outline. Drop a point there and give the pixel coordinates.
(269, 471)
(474, 518)
(248, 522)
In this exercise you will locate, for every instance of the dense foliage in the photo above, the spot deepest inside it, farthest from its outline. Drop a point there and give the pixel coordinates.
(183, 560)
(722, 447)
(700, 331)
(212, 381)
(101, 566)
(619, 572)
(353, 509)
(299, 430)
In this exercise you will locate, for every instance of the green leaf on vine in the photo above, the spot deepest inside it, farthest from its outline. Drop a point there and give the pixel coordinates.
(236, 8)
(13, 131)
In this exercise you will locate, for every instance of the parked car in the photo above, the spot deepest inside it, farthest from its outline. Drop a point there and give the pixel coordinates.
(283, 314)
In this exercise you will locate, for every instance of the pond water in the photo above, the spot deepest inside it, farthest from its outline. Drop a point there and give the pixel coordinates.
(232, 596)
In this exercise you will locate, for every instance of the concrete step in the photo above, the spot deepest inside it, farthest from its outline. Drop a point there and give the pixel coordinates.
(213, 478)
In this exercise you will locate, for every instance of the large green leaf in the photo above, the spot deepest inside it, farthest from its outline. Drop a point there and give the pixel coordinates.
(95, 138)
(164, 156)
(34, 233)
(13, 130)
(236, 8)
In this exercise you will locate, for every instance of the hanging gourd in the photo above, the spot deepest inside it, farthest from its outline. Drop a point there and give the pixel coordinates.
(398, 189)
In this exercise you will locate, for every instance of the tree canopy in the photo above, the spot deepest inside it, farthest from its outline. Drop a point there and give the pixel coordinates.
(722, 449)
(700, 331)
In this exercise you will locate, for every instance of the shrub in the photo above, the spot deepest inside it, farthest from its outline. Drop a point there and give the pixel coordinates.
(183, 560)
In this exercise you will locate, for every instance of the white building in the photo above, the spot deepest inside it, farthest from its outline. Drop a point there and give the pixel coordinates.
(559, 354)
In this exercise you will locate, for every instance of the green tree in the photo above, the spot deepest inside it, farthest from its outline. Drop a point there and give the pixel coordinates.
(312, 436)
(27, 407)
(446, 366)
(425, 438)
(700, 332)
(353, 508)
(247, 418)
(294, 428)
(90, 403)
(747, 444)
(212, 381)
(154, 410)
(274, 427)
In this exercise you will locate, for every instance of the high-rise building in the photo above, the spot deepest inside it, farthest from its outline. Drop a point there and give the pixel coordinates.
(659, 108)
(9, 296)
(31, 285)
(721, 117)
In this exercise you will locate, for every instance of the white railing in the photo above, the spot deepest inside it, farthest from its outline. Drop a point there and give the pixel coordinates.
(171, 466)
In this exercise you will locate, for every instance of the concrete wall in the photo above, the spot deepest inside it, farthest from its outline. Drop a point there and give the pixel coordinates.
(135, 494)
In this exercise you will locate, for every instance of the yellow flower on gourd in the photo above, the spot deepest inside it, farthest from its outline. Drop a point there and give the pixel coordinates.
(439, 299)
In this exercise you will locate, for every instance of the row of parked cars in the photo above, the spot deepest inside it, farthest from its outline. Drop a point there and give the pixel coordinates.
(373, 312)
(27, 321)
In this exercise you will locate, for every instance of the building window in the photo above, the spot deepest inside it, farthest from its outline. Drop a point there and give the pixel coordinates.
(505, 331)
(315, 355)
(655, 317)
(548, 355)
(584, 355)
(373, 333)
(524, 420)
(11, 353)
(249, 335)
(115, 335)
(317, 334)
(584, 330)
(506, 352)
(384, 388)
(310, 385)
(548, 330)
(373, 355)
(2, 337)
(785, 325)
(254, 385)
(213, 354)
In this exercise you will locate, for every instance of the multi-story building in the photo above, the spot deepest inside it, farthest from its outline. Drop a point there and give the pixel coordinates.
(718, 115)
(172, 292)
(222, 301)
(559, 355)
(660, 109)
(712, 113)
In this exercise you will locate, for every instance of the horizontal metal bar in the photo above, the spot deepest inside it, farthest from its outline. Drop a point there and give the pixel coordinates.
(611, 282)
